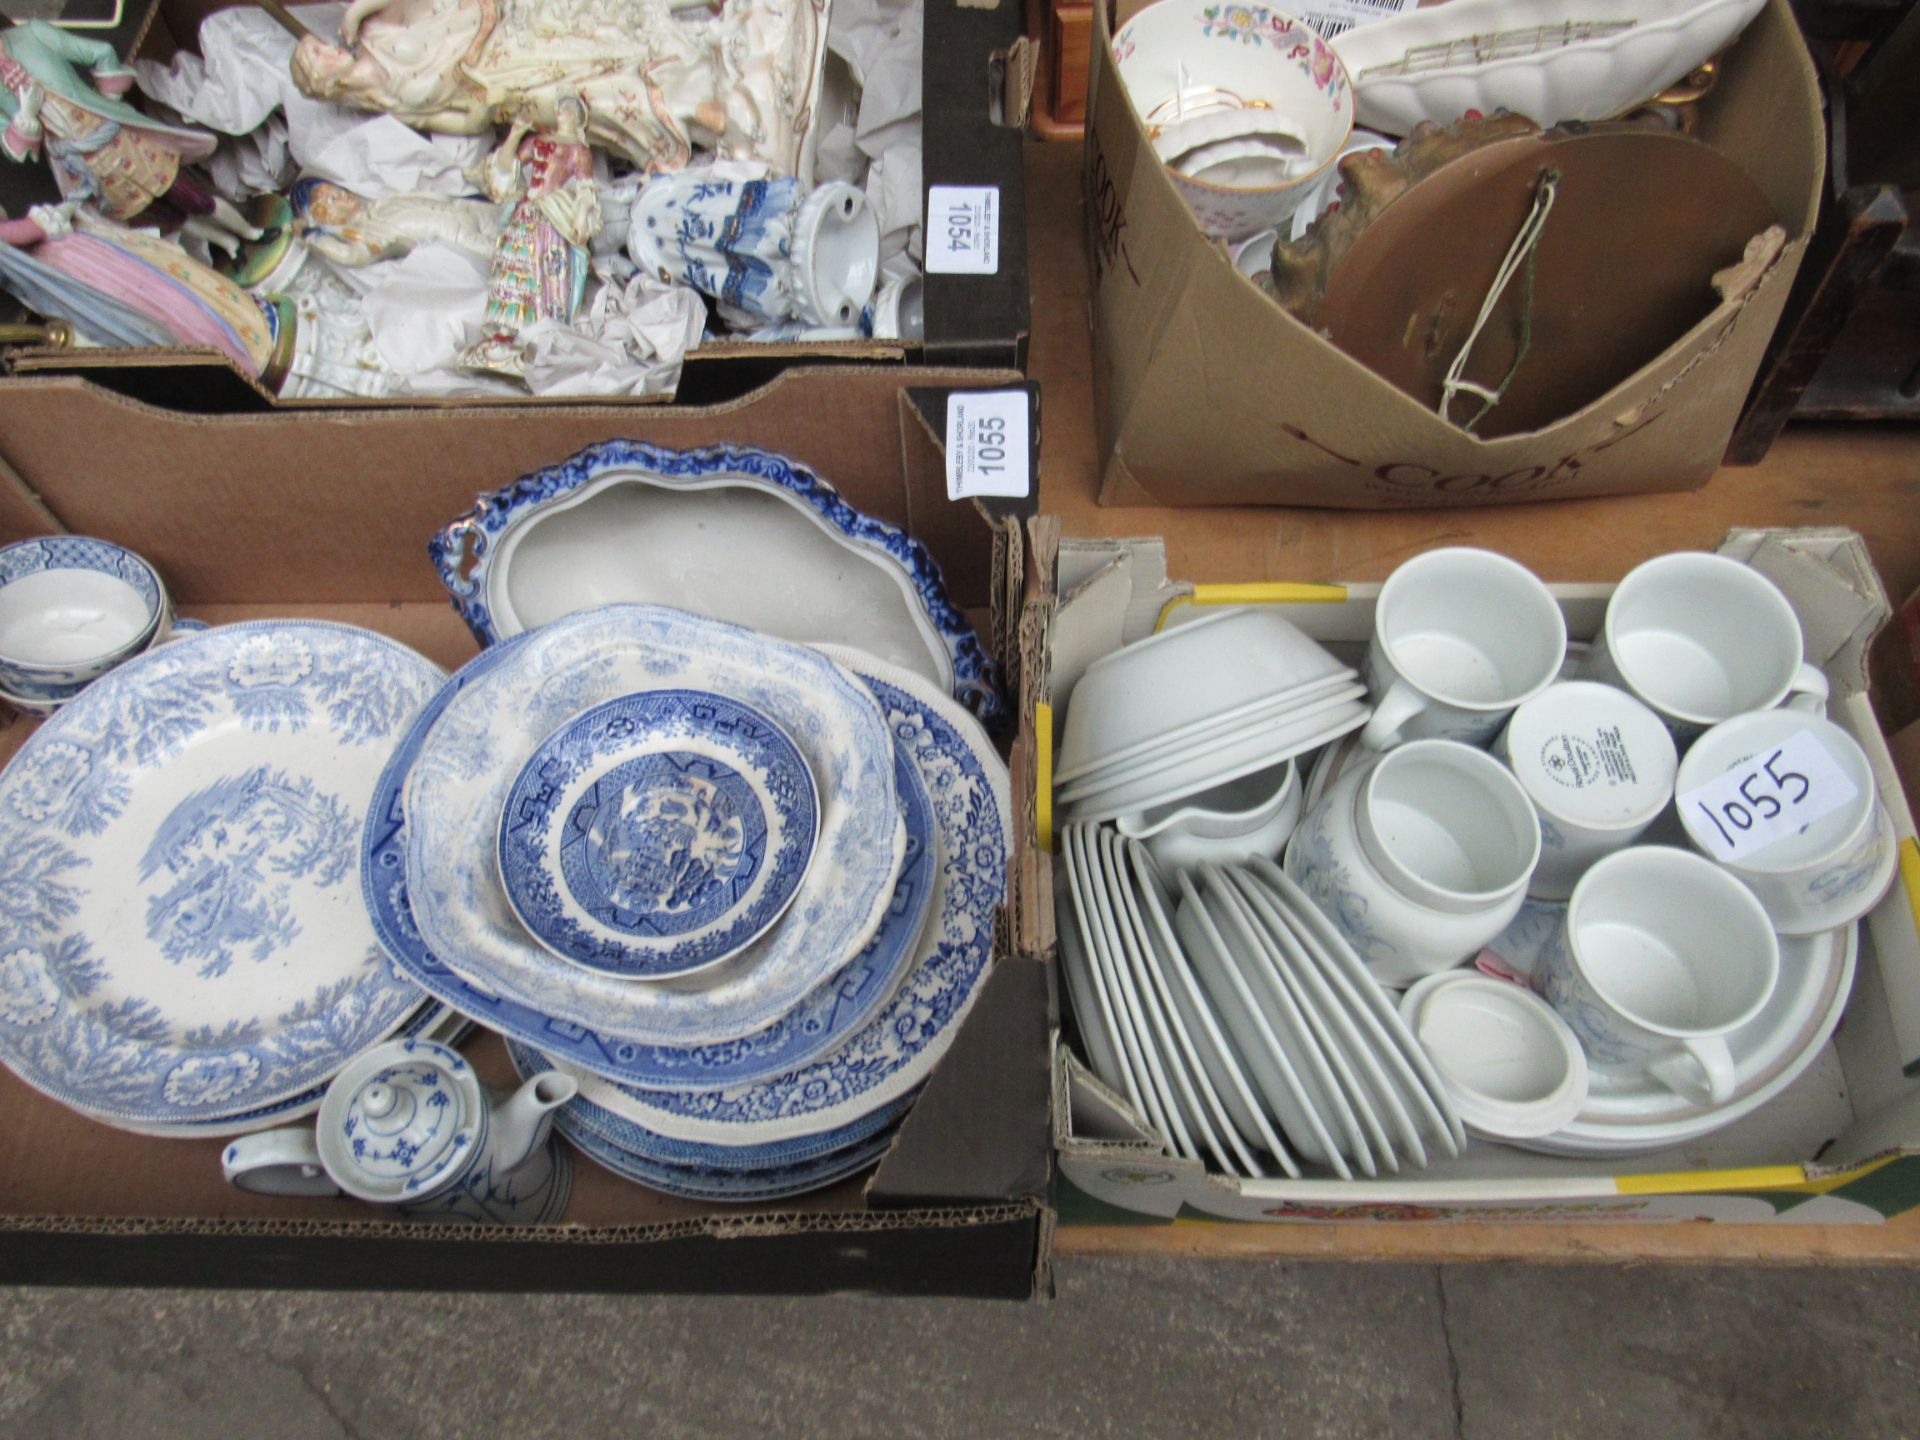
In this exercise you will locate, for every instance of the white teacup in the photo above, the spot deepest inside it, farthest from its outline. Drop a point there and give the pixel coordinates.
(1460, 638)
(1663, 956)
(1703, 637)
(1598, 766)
(1830, 872)
(1419, 858)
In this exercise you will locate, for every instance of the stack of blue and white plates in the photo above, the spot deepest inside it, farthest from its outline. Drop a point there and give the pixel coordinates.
(742, 889)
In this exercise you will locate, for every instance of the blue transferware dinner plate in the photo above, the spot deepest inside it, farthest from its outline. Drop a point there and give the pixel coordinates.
(639, 1141)
(658, 833)
(823, 1019)
(896, 1050)
(182, 934)
(725, 1186)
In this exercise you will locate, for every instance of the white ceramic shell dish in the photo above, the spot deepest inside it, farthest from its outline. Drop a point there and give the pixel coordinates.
(1552, 62)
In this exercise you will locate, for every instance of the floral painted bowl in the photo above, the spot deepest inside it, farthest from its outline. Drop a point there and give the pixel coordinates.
(1184, 62)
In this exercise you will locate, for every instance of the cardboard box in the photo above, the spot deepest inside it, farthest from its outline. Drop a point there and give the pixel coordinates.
(1840, 1145)
(972, 135)
(1208, 394)
(329, 515)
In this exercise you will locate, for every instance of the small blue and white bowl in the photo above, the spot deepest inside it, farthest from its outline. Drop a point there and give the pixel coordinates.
(71, 609)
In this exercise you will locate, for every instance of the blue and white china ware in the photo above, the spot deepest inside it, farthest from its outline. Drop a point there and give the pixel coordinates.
(658, 833)
(408, 1124)
(71, 609)
(828, 1014)
(474, 750)
(730, 531)
(182, 933)
(894, 1053)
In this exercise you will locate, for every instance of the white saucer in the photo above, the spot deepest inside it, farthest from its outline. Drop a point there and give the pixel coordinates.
(1852, 907)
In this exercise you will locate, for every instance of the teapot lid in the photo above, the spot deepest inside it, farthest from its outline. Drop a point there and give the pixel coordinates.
(401, 1121)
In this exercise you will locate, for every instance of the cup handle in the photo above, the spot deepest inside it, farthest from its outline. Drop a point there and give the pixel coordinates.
(1808, 692)
(1683, 1071)
(277, 1162)
(1399, 705)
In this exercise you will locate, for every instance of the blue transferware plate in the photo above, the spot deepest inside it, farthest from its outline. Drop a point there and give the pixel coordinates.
(642, 1143)
(896, 1050)
(725, 1186)
(731, 531)
(182, 934)
(658, 833)
(471, 756)
(823, 1019)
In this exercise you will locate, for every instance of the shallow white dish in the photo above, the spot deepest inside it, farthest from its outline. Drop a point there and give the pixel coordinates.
(1215, 1054)
(733, 532)
(1438, 62)
(894, 1053)
(1092, 1013)
(1408, 1062)
(1199, 1106)
(1258, 750)
(1268, 1063)
(1161, 689)
(1373, 1094)
(477, 746)
(1337, 1096)
(183, 933)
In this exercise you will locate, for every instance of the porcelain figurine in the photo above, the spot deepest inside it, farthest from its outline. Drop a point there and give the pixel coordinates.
(74, 266)
(351, 230)
(325, 346)
(408, 1124)
(102, 151)
(760, 244)
(741, 79)
(540, 261)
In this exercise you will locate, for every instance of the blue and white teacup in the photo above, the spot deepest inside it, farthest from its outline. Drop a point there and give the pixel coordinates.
(71, 609)
(1663, 956)
(1828, 873)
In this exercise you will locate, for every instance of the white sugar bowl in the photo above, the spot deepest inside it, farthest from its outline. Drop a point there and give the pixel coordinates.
(409, 1124)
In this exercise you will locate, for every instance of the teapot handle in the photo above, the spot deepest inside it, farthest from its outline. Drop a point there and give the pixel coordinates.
(277, 1162)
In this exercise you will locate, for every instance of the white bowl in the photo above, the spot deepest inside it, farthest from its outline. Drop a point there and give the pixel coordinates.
(1550, 60)
(1188, 677)
(1182, 60)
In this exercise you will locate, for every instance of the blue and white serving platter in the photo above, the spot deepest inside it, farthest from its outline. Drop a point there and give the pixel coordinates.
(658, 833)
(727, 1186)
(831, 1012)
(895, 1051)
(643, 1144)
(182, 934)
(492, 723)
(433, 1020)
(730, 531)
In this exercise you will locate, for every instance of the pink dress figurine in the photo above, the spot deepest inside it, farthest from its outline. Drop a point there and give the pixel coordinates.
(103, 152)
(540, 260)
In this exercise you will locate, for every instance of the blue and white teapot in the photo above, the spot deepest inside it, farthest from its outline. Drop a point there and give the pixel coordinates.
(409, 1124)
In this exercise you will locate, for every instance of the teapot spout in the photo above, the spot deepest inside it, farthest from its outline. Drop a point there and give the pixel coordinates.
(521, 1124)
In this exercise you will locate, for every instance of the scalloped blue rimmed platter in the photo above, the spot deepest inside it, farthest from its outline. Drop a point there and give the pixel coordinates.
(182, 934)
(833, 1011)
(658, 833)
(730, 531)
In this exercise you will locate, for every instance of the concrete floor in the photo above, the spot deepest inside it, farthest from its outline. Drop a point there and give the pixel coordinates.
(1132, 1348)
